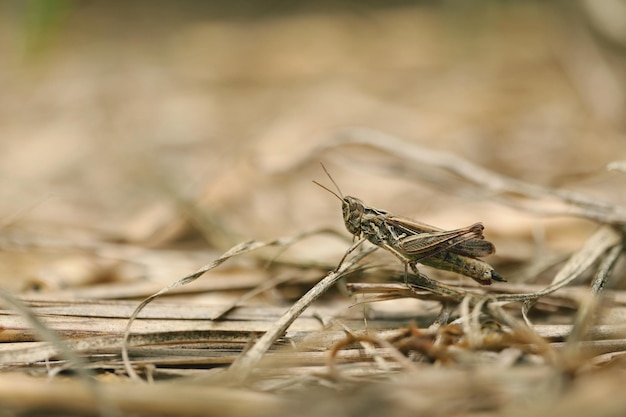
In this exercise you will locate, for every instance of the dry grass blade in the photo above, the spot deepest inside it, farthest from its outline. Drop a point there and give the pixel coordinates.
(239, 249)
(394, 291)
(606, 268)
(25, 396)
(244, 365)
(596, 246)
(601, 243)
(571, 355)
(552, 201)
(103, 404)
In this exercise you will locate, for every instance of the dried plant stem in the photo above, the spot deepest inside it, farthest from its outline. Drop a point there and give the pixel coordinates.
(243, 366)
(606, 267)
(602, 242)
(582, 323)
(515, 193)
(23, 395)
(239, 249)
(105, 406)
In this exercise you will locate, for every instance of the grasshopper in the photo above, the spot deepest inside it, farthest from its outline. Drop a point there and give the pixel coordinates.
(412, 241)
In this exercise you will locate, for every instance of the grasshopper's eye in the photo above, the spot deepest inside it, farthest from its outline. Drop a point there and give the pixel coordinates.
(352, 215)
(346, 209)
(352, 209)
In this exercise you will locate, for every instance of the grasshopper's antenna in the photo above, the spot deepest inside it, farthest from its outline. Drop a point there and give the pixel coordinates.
(333, 181)
(340, 195)
(329, 190)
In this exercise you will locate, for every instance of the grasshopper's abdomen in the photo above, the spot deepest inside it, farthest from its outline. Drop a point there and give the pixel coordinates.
(476, 269)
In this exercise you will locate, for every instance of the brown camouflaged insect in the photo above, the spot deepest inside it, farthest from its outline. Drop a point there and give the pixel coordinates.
(412, 241)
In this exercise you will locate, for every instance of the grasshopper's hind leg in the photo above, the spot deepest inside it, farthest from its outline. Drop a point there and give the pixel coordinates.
(406, 276)
(415, 271)
(427, 282)
(406, 263)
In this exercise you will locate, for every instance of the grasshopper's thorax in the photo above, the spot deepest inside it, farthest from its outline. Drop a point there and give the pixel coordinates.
(353, 209)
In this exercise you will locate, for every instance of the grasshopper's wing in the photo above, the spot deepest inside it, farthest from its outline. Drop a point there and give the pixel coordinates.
(474, 247)
(410, 226)
(423, 245)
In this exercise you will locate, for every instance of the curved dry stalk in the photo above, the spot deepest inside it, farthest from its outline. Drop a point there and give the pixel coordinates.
(245, 363)
(512, 192)
(236, 250)
(598, 245)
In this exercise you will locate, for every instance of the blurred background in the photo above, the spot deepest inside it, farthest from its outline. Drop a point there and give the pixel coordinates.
(155, 122)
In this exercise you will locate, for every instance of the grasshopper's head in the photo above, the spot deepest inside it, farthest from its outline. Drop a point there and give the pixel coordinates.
(353, 210)
(352, 207)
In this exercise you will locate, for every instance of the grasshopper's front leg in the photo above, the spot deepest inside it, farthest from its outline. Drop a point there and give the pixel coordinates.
(351, 249)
